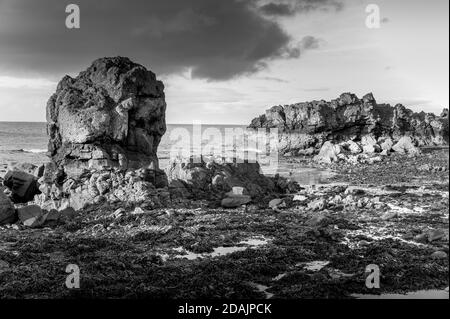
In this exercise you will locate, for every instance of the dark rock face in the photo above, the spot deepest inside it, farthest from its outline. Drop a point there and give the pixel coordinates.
(112, 114)
(23, 186)
(305, 125)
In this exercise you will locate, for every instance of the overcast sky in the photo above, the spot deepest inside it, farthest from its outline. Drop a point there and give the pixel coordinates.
(228, 61)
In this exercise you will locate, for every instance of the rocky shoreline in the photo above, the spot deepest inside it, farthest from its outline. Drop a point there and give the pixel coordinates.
(393, 214)
(218, 228)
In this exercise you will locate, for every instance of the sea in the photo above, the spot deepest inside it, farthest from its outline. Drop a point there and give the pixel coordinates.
(26, 142)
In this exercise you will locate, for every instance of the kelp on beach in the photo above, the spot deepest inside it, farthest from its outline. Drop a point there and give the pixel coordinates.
(397, 219)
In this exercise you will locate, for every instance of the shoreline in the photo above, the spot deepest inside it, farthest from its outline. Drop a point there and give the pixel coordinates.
(385, 217)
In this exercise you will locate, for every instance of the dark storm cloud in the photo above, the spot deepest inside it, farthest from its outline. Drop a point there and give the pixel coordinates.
(216, 39)
(292, 7)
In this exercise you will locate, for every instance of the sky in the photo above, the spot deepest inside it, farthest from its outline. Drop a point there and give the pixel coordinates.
(226, 62)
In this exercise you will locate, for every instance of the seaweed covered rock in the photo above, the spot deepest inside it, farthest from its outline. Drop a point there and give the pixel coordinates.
(110, 115)
(308, 125)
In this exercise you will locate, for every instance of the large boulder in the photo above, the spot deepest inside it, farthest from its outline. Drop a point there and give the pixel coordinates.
(309, 124)
(406, 146)
(7, 211)
(105, 126)
(111, 115)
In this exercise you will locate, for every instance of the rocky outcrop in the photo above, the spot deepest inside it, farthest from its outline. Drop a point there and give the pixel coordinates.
(105, 126)
(308, 125)
(142, 186)
(215, 178)
(111, 115)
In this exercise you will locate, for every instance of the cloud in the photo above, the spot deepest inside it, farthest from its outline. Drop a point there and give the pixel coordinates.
(309, 43)
(211, 39)
(292, 7)
(319, 89)
(14, 83)
(277, 9)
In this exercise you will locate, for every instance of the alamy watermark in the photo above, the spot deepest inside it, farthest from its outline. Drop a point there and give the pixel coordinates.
(226, 144)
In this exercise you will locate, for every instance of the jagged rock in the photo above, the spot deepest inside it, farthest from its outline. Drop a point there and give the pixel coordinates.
(406, 146)
(353, 147)
(328, 153)
(310, 124)
(105, 126)
(23, 186)
(277, 203)
(386, 144)
(111, 115)
(369, 144)
(7, 211)
(300, 198)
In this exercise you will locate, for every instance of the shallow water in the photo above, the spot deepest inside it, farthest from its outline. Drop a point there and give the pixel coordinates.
(27, 143)
(421, 294)
(250, 243)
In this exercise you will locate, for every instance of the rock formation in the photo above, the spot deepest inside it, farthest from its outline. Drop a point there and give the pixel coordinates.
(105, 126)
(111, 115)
(209, 177)
(304, 127)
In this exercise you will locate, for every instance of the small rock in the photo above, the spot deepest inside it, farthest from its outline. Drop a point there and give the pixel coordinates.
(435, 235)
(138, 211)
(31, 216)
(422, 238)
(300, 198)
(439, 255)
(276, 203)
(235, 201)
(363, 243)
(318, 204)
